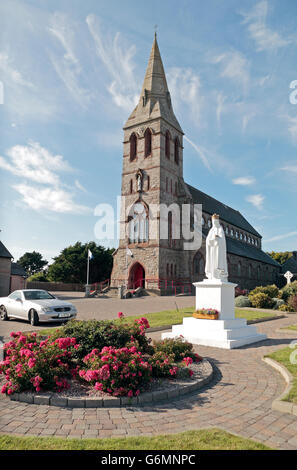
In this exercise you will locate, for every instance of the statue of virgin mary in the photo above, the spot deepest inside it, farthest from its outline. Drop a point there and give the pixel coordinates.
(216, 267)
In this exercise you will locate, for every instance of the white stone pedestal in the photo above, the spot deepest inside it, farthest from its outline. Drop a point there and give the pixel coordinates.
(227, 332)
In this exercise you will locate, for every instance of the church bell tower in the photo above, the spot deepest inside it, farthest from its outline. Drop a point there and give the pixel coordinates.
(152, 174)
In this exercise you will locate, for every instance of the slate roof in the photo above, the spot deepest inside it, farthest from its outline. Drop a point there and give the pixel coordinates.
(290, 265)
(226, 213)
(18, 270)
(4, 253)
(248, 251)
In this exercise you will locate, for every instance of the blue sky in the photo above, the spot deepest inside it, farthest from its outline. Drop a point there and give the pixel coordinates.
(71, 72)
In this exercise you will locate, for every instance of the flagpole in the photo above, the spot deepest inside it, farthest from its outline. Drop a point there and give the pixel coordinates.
(88, 268)
(126, 269)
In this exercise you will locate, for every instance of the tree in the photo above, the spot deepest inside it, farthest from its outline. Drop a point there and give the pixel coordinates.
(32, 262)
(71, 264)
(280, 257)
(38, 277)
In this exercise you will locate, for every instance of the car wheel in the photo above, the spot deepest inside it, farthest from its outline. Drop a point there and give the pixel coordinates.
(33, 318)
(3, 313)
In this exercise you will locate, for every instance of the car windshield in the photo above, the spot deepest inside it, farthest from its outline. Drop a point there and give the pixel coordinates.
(37, 295)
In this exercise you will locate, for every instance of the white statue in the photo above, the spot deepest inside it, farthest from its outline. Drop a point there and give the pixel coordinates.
(216, 267)
(139, 178)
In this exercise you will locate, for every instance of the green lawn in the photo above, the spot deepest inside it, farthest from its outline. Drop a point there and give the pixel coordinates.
(291, 327)
(205, 439)
(173, 317)
(283, 357)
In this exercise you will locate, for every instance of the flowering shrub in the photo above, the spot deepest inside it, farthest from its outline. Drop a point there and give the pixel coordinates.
(239, 292)
(118, 372)
(207, 311)
(122, 365)
(93, 334)
(292, 303)
(30, 364)
(177, 348)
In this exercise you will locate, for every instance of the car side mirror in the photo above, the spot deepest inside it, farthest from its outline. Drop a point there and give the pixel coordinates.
(18, 299)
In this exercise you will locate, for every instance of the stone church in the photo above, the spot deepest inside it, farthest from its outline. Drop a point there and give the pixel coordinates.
(153, 174)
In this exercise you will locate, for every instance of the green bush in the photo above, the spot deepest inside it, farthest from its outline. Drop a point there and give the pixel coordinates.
(284, 308)
(176, 347)
(242, 301)
(272, 291)
(261, 300)
(94, 334)
(288, 290)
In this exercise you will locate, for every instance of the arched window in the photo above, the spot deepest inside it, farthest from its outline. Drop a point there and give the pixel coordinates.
(250, 271)
(138, 224)
(198, 265)
(131, 186)
(147, 142)
(176, 150)
(171, 186)
(133, 146)
(170, 228)
(167, 144)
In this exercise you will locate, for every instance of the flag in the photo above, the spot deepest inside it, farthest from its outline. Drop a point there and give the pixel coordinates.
(90, 255)
(129, 252)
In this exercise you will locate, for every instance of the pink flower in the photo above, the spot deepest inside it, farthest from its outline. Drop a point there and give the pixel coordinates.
(120, 315)
(130, 393)
(98, 386)
(187, 360)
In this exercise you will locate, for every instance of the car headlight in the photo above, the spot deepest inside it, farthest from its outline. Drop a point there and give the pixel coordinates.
(47, 309)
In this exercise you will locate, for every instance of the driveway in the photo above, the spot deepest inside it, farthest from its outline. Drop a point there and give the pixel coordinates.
(103, 309)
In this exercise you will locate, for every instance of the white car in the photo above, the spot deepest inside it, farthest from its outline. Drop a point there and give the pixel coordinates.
(36, 305)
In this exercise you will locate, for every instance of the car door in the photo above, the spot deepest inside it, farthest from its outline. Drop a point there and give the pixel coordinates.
(15, 307)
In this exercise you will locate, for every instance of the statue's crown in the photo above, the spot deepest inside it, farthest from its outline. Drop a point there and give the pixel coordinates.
(215, 216)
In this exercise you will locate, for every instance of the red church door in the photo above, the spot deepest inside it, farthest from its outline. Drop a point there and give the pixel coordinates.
(137, 276)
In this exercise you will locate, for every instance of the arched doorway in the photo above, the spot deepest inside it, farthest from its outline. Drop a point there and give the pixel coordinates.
(136, 276)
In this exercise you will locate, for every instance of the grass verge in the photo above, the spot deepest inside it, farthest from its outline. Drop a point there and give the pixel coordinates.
(284, 357)
(205, 439)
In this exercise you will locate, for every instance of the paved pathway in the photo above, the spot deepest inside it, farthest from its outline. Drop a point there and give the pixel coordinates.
(239, 400)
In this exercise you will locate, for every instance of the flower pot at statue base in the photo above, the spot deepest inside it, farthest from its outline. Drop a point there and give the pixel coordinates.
(205, 316)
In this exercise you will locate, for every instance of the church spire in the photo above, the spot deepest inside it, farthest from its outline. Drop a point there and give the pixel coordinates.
(155, 100)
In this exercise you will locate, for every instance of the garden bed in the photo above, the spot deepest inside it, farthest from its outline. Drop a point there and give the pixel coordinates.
(80, 395)
(100, 363)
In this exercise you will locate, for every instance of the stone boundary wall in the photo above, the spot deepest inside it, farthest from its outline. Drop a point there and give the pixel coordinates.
(56, 286)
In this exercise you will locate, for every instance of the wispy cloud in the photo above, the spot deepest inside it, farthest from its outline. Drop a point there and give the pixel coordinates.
(281, 237)
(67, 65)
(290, 168)
(53, 199)
(11, 73)
(118, 61)
(265, 38)
(235, 66)
(201, 152)
(244, 180)
(220, 104)
(256, 199)
(37, 164)
(185, 89)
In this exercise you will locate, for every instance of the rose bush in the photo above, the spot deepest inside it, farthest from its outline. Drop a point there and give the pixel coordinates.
(123, 364)
(31, 364)
(119, 372)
